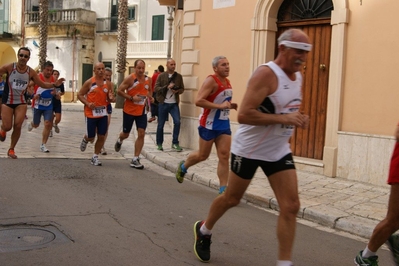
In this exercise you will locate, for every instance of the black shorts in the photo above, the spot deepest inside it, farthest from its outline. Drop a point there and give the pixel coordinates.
(246, 168)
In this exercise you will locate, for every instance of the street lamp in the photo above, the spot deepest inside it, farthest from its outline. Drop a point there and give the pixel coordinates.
(171, 9)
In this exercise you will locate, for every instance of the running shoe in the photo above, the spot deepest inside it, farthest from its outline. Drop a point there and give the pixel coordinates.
(11, 154)
(56, 128)
(103, 151)
(136, 164)
(118, 145)
(159, 148)
(202, 243)
(151, 119)
(2, 135)
(180, 173)
(393, 244)
(30, 126)
(370, 261)
(50, 134)
(83, 145)
(176, 147)
(95, 161)
(43, 148)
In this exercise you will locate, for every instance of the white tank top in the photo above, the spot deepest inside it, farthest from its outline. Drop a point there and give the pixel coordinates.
(270, 143)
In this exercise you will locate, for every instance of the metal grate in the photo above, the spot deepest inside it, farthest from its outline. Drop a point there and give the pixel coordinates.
(291, 10)
(26, 238)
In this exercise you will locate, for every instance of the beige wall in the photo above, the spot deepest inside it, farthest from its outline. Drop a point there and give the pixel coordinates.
(371, 92)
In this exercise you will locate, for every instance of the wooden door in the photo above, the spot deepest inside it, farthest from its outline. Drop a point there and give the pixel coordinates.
(309, 143)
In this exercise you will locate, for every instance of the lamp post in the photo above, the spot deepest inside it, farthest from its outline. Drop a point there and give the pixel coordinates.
(171, 9)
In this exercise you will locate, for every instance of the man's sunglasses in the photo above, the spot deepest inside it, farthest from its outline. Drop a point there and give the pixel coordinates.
(23, 55)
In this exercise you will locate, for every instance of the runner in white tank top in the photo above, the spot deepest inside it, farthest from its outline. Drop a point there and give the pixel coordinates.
(268, 114)
(270, 142)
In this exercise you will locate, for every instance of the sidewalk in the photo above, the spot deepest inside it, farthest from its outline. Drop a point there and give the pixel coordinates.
(333, 202)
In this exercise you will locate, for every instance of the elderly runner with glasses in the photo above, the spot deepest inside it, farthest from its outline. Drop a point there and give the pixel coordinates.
(15, 96)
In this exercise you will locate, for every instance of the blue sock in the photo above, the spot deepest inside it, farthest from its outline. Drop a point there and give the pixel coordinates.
(222, 189)
(183, 168)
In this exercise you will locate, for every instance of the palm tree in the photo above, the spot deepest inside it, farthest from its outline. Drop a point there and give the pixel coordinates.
(122, 46)
(43, 23)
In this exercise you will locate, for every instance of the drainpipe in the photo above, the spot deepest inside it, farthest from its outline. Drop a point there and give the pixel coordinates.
(171, 9)
(73, 65)
(23, 24)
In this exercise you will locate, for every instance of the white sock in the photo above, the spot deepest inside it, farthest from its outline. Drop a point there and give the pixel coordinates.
(95, 155)
(367, 253)
(284, 263)
(204, 230)
(135, 158)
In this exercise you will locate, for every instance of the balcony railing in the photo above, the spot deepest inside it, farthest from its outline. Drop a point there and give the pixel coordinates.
(107, 24)
(77, 15)
(147, 49)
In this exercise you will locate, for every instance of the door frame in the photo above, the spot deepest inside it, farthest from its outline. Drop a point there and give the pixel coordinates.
(264, 28)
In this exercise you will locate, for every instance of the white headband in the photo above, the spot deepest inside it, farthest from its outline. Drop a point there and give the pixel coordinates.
(297, 45)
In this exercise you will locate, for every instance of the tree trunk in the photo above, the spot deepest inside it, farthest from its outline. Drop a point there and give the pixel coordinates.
(43, 24)
(122, 46)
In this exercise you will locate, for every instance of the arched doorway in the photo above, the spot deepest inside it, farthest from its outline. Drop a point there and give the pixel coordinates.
(264, 31)
(7, 54)
(314, 18)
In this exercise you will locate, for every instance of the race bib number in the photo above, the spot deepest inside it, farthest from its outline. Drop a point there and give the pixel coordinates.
(100, 111)
(224, 114)
(142, 101)
(284, 130)
(45, 101)
(19, 84)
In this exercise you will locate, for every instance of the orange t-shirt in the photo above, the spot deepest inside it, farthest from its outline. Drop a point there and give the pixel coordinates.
(137, 108)
(98, 96)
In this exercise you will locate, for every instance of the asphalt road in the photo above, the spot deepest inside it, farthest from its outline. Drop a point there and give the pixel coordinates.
(115, 215)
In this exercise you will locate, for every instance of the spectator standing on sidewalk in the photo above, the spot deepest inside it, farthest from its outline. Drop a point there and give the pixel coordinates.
(108, 76)
(384, 231)
(15, 95)
(268, 115)
(154, 106)
(95, 94)
(168, 88)
(57, 106)
(214, 97)
(43, 104)
(136, 89)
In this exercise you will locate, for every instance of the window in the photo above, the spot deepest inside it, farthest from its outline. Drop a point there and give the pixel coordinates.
(158, 27)
(131, 13)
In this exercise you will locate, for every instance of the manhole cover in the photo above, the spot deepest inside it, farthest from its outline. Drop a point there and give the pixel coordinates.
(26, 238)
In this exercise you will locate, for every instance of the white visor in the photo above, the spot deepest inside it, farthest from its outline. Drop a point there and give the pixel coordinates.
(297, 45)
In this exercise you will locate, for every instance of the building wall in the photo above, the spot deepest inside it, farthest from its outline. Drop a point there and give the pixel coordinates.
(139, 30)
(359, 131)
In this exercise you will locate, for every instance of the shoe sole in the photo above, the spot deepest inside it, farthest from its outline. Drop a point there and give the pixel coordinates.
(135, 167)
(117, 149)
(195, 242)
